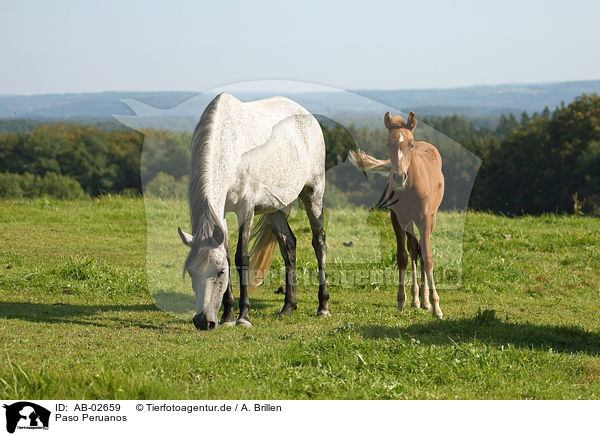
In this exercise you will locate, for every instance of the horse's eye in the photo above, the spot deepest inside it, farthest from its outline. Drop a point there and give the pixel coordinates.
(412, 145)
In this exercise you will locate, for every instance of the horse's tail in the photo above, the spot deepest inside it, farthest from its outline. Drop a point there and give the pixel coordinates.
(363, 161)
(261, 254)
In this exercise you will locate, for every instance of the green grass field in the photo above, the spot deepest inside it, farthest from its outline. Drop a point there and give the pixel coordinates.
(77, 319)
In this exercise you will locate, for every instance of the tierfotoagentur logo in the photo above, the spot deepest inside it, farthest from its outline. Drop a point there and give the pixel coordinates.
(24, 415)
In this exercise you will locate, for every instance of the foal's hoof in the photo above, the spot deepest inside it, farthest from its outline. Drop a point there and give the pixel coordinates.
(401, 306)
(323, 312)
(416, 304)
(439, 314)
(243, 322)
(428, 307)
(227, 323)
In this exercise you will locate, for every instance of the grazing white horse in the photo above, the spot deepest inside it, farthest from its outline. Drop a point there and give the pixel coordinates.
(252, 158)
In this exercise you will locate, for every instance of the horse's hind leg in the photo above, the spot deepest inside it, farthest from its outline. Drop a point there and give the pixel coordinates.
(287, 244)
(419, 298)
(313, 202)
(402, 260)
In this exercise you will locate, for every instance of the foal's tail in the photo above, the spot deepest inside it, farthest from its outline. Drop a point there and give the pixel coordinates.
(363, 161)
(261, 254)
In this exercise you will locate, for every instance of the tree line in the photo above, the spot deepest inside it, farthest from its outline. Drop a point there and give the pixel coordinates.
(546, 162)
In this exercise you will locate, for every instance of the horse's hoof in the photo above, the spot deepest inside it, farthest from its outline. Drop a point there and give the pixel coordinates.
(439, 315)
(227, 323)
(401, 306)
(428, 308)
(287, 310)
(323, 313)
(416, 304)
(243, 323)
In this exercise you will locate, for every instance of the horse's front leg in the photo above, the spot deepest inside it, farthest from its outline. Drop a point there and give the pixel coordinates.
(427, 258)
(228, 300)
(242, 263)
(413, 248)
(402, 260)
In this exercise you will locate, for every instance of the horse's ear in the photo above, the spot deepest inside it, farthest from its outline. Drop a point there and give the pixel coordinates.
(411, 124)
(186, 238)
(387, 120)
(218, 236)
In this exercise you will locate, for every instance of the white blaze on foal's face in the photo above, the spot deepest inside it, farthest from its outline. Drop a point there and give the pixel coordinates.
(400, 141)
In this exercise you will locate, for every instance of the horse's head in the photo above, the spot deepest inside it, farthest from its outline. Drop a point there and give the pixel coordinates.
(208, 267)
(401, 143)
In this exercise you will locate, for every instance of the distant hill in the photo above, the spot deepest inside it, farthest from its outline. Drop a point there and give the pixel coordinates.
(360, 106)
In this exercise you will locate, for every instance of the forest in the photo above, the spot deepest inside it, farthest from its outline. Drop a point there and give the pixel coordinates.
(541, 162)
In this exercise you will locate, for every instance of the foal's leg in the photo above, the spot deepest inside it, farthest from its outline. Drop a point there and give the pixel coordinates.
(425, 230)
(413, 249)
(313, 203)
(242, 263)
(287, 245)
(424, 286)
(402, 259)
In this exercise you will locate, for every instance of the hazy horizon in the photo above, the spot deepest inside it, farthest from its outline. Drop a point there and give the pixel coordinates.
(310, 88)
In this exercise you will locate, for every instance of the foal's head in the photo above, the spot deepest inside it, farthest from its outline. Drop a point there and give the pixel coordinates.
(401, 143)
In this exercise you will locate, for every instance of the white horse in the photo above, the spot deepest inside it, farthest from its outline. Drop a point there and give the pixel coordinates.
(252, 158)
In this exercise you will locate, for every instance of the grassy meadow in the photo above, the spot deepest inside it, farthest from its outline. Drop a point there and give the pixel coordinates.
(81, 318)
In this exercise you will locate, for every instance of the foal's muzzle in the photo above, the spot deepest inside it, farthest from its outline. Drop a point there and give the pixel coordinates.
(399, 179)
(202, 323)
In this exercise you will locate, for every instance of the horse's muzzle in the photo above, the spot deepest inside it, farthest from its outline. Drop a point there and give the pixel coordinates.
(399, 179)
(202, 323)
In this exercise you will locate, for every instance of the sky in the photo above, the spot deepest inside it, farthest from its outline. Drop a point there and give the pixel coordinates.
(94, 46)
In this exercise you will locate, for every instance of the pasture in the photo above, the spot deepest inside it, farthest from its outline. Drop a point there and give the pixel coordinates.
(77, 320)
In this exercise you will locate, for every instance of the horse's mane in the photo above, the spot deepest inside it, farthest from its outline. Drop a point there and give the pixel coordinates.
(203, 216)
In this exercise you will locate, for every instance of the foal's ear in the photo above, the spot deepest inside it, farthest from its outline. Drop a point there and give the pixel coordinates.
(387, 120)
(411, 124)
(186, 238)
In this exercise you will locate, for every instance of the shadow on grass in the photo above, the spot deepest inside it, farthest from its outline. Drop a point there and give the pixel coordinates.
(489, 329)
(76, 313)
(185, 303)
(71, 313)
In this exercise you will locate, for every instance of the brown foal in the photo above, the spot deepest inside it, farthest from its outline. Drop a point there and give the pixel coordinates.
(414, 192)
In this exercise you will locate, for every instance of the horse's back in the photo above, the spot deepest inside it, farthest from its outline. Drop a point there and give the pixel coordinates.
(276, 145)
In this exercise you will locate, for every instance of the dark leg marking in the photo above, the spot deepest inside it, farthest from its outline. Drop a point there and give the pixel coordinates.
(242, 263)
